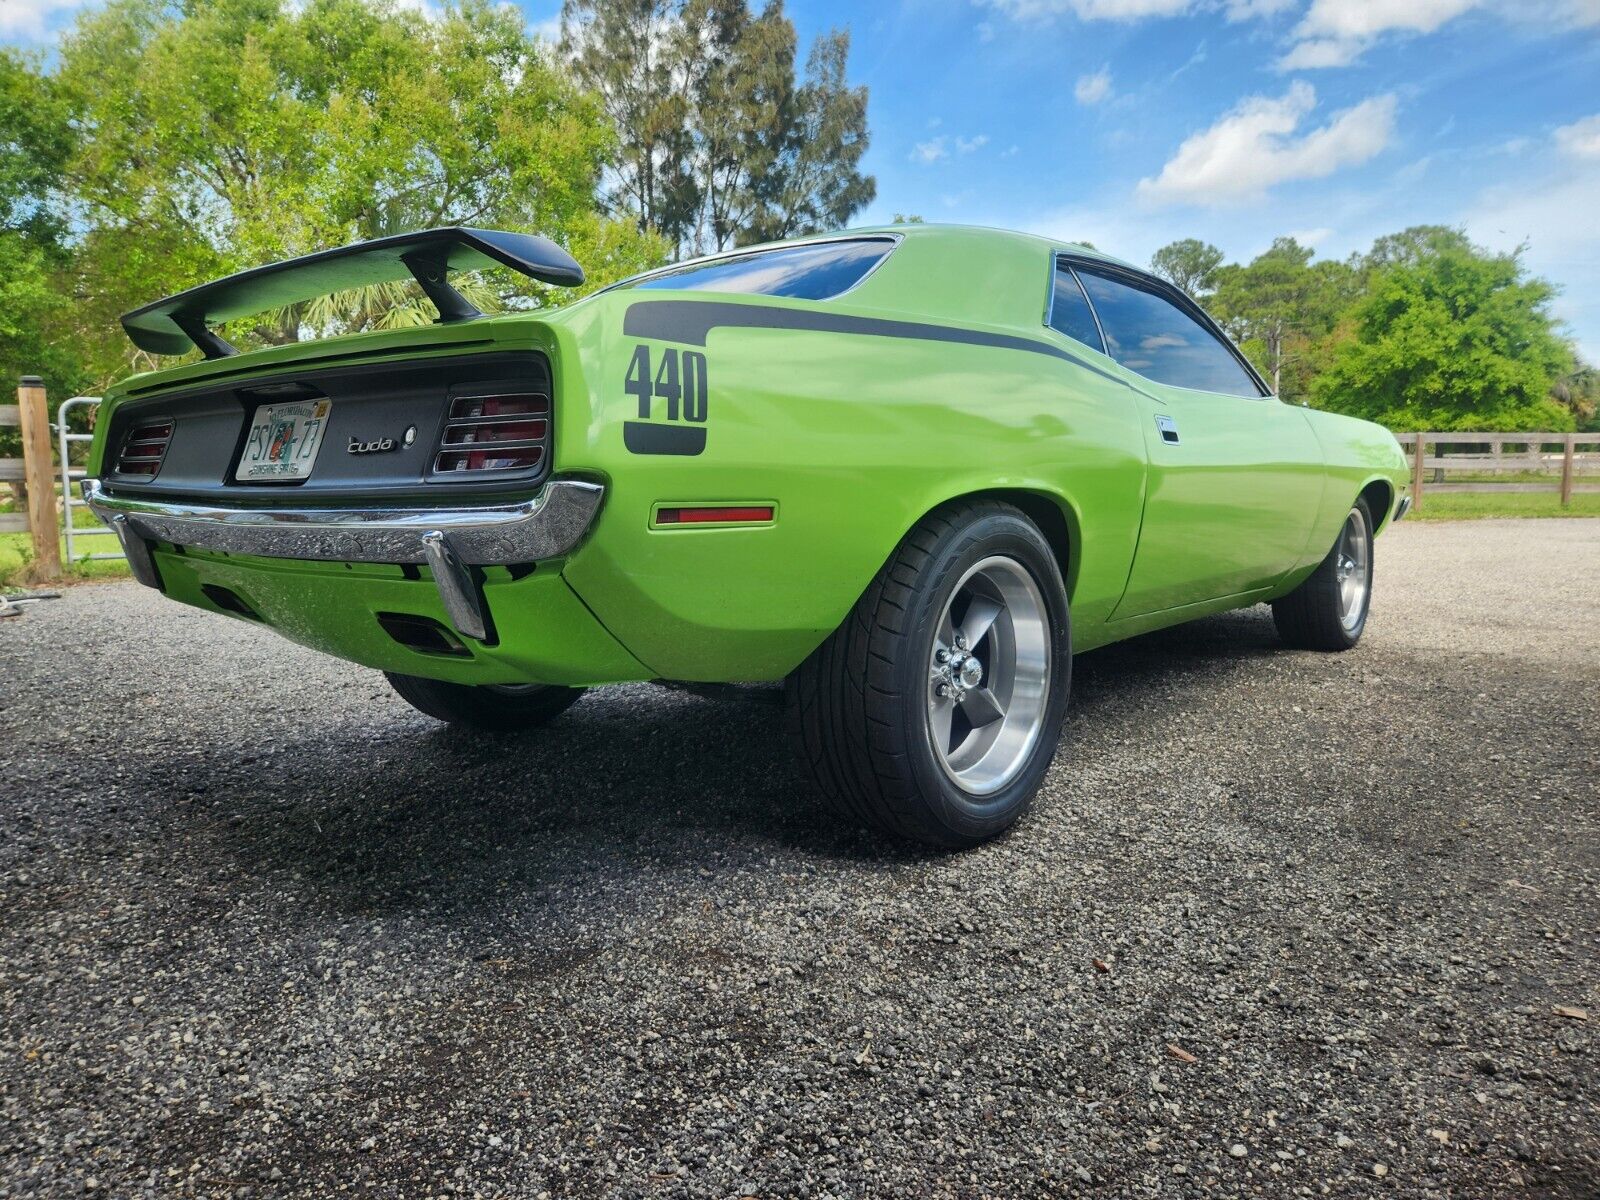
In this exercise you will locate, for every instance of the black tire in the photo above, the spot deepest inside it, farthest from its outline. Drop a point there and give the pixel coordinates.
(1312, 617)
(502, 709)
(858, 707)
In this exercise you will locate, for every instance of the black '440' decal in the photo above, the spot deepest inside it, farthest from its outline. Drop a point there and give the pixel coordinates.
(672, 402)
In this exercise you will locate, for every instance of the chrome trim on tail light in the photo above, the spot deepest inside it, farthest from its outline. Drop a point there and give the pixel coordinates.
(493, 434)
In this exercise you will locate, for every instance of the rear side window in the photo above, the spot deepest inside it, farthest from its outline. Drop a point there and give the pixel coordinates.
(1069, 311)
(1147, 333)
(816, 272)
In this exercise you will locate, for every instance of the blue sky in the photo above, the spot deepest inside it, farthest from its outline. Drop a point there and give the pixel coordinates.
(1130, 123)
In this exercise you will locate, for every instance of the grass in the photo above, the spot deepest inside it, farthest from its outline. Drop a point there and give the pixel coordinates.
(16, 558)
(1471, 506)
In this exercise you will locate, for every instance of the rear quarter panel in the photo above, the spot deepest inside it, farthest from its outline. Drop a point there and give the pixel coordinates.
(853, 437)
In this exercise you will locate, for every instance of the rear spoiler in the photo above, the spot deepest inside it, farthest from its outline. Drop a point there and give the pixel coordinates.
(182, 322)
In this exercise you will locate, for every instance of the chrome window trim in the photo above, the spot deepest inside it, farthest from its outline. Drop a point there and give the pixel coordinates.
(1058, 261)
(1143, 280)
(751, 251)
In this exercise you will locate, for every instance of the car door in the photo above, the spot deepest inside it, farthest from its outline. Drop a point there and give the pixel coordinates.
(1235, 476)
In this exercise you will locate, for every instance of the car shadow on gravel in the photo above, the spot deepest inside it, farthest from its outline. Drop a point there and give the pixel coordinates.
(374, 812)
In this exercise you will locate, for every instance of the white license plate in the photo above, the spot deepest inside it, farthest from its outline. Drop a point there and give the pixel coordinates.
(284, 440)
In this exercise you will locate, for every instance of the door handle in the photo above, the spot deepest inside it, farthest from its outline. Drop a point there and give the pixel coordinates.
(1168, 428)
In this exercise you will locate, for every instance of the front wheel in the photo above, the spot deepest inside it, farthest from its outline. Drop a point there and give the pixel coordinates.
(502, 708)
(934, 711)
(1329, 610)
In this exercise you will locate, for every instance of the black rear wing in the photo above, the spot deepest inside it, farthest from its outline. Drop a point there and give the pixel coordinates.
(179, 323)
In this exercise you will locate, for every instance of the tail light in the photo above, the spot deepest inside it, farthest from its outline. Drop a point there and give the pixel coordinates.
(144, 448)
(494, 433)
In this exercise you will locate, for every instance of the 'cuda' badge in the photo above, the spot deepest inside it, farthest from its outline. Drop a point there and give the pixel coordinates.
(379, 445)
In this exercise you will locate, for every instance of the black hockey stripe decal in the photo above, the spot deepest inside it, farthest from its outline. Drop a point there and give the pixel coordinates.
(688, 322)
(648, 437)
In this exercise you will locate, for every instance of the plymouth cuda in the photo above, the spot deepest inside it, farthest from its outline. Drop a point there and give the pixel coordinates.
(909, 472)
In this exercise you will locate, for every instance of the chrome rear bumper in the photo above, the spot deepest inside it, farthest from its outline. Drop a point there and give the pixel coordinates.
(449, 540)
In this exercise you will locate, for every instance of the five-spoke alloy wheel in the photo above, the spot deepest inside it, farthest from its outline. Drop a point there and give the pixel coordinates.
(990, 675)
(1329, 610)
(933, 712)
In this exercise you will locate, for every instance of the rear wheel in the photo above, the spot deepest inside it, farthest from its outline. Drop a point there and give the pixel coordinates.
(1329, 610)
(934, 711)
(496, 706)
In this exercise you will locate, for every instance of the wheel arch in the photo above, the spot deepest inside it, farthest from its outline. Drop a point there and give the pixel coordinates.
(1379, 494)
(1052, 512)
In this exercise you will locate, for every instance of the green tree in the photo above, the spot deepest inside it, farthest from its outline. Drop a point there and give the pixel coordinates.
(1449, 336)
(220, 134)
(1412, 246)
(1189, 264)
(1281, 308)
(36, 139)
(721, 143)
(1578, 391)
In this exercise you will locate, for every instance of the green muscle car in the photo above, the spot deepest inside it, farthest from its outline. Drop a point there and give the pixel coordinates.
(908, 471)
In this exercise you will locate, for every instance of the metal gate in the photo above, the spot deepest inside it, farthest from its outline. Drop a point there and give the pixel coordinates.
(64, 439)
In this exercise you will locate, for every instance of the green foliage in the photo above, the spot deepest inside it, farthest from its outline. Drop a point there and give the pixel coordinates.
(1448, 336)
(36, 139)
(1280, 308)
(1579, 392)
(1190, 264)
(220, 134)
(721, 144)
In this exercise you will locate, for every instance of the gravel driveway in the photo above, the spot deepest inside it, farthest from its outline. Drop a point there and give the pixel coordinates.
(1281, 924)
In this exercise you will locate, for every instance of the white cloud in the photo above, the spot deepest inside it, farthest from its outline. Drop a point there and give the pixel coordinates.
(30, 20)
(548, 30)
(1581, 139)
(1311, 237)
(1252, 148)
(968, 145)
(929, 151)
(1316, 53)
(1357, 19)
(1335, 33)
(1091, 89)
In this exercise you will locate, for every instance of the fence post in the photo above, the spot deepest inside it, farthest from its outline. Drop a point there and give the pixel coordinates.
(1566, 471)
(1418, 450)
(39, 470)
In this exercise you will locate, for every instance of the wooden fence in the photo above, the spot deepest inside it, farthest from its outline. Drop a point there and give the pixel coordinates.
(36, 472)
(1553, 454)
(1556, 454)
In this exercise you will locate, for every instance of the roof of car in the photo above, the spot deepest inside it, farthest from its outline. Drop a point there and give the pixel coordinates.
(922, 229)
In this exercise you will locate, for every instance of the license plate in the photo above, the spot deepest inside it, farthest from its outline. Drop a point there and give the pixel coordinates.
(284, 440)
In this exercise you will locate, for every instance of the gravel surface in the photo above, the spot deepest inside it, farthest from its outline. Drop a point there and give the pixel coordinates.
(1280, 924)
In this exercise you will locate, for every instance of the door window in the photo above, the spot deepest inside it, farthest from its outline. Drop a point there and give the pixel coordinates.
(1147, 333)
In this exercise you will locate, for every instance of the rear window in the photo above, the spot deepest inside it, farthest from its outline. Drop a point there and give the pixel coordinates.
(819, 271)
